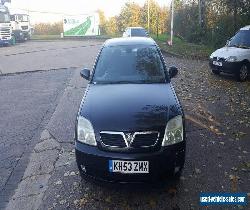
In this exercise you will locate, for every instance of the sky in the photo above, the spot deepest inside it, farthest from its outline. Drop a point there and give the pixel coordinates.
(71, 7)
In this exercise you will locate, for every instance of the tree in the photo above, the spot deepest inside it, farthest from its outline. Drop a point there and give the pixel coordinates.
(103, 22)
(48, 28)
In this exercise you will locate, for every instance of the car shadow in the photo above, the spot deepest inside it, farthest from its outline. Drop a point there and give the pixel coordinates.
(138, 196)
(229, 77)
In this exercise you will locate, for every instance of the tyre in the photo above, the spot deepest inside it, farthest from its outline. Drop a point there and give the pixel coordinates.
(243, 73)
(6, 45)
(81, 171)
(178, 175)
(217, 72)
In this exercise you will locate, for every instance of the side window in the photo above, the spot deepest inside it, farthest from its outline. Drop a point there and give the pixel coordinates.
(12, 18)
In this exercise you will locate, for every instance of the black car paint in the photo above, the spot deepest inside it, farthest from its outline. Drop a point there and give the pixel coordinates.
(227, 67)
(130, 107)
(162, 163)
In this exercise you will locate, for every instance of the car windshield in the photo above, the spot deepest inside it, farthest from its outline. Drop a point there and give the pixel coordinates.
(138, 32)
(23, 18)
(241, 39)
(129, 64)
(4, 18)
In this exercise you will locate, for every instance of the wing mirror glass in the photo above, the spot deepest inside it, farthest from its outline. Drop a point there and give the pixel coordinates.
(173, 71)
(85, 73)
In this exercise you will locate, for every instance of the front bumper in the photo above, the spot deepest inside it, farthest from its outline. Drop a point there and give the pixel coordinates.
(162, 163)
(227, 67)
(5, 41)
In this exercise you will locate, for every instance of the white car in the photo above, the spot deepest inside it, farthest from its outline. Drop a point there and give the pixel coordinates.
(234, 58)
(135, 32)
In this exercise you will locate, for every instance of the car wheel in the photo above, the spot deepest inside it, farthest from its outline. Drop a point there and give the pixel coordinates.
(81, 171)
(217, 72)
(243, 73)
(177, 175)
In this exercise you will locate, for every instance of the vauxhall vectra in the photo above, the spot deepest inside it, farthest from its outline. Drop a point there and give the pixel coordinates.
(130, 125)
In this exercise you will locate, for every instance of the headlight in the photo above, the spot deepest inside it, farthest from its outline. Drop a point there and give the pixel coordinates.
(174, 131)
(231, 59)
(85, 132)
(211, 56)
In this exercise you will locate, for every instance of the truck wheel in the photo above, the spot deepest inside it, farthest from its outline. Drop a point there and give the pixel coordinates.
(243, 73)
(217, 72)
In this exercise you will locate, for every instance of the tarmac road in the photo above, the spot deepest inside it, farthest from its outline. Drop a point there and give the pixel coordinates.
(38, 111)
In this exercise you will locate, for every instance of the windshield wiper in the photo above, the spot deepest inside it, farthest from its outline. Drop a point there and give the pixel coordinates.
(239, 46)
(244, 47)
(234, 45)
(112, 82)
(130, 82)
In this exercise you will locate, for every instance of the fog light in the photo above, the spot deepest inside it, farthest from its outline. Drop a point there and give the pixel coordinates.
(83, 168)
(176, 169)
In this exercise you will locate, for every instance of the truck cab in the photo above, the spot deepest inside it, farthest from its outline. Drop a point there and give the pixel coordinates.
(21, 26)
(5, 26)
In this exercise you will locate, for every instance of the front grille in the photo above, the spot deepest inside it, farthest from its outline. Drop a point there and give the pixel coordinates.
(218, 59)
(145, 140)
(24, 27)
(134, 140)
(112, 140)
(5, 32)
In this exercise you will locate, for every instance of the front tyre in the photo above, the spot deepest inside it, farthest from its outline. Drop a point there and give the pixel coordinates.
(243, 73)
(177, 175)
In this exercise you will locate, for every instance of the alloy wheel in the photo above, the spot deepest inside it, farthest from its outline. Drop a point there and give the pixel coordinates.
(243, 73)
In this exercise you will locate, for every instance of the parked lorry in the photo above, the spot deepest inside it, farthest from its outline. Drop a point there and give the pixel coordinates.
(5, 25)
(21, 27)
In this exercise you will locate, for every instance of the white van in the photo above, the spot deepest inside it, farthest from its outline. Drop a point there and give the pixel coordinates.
(234, 58)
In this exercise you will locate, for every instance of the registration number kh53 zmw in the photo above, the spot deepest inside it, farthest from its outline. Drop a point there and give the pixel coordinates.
(129, 167)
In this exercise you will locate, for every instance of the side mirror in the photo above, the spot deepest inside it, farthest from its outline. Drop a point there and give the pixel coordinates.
(85, 73)
(173, 71)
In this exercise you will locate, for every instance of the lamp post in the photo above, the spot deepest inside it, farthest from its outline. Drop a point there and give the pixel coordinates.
(172, 24)
(148, 18)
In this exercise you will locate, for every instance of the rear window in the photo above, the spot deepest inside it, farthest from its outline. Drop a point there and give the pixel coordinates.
(138, 32)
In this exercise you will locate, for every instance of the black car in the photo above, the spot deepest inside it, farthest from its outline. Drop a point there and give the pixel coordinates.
(130, 125)
(135, 32)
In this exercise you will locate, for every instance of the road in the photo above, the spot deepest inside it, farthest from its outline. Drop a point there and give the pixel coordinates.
(38, 109)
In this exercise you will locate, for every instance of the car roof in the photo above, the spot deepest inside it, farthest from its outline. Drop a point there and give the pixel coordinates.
(136, 28)
(245, 28)
(130, 41)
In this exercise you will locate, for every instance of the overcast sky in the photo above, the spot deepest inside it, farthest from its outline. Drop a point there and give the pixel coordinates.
(110, 7)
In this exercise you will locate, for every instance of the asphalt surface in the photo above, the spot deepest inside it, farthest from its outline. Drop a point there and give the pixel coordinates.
(35, 56)
(217, 118)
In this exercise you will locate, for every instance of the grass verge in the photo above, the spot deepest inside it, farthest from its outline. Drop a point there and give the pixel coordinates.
(45, 37)
(182, 48)
(57, 37)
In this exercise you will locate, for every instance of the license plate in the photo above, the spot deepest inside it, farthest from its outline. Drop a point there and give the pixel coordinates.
(216, 63)
(129, 167)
